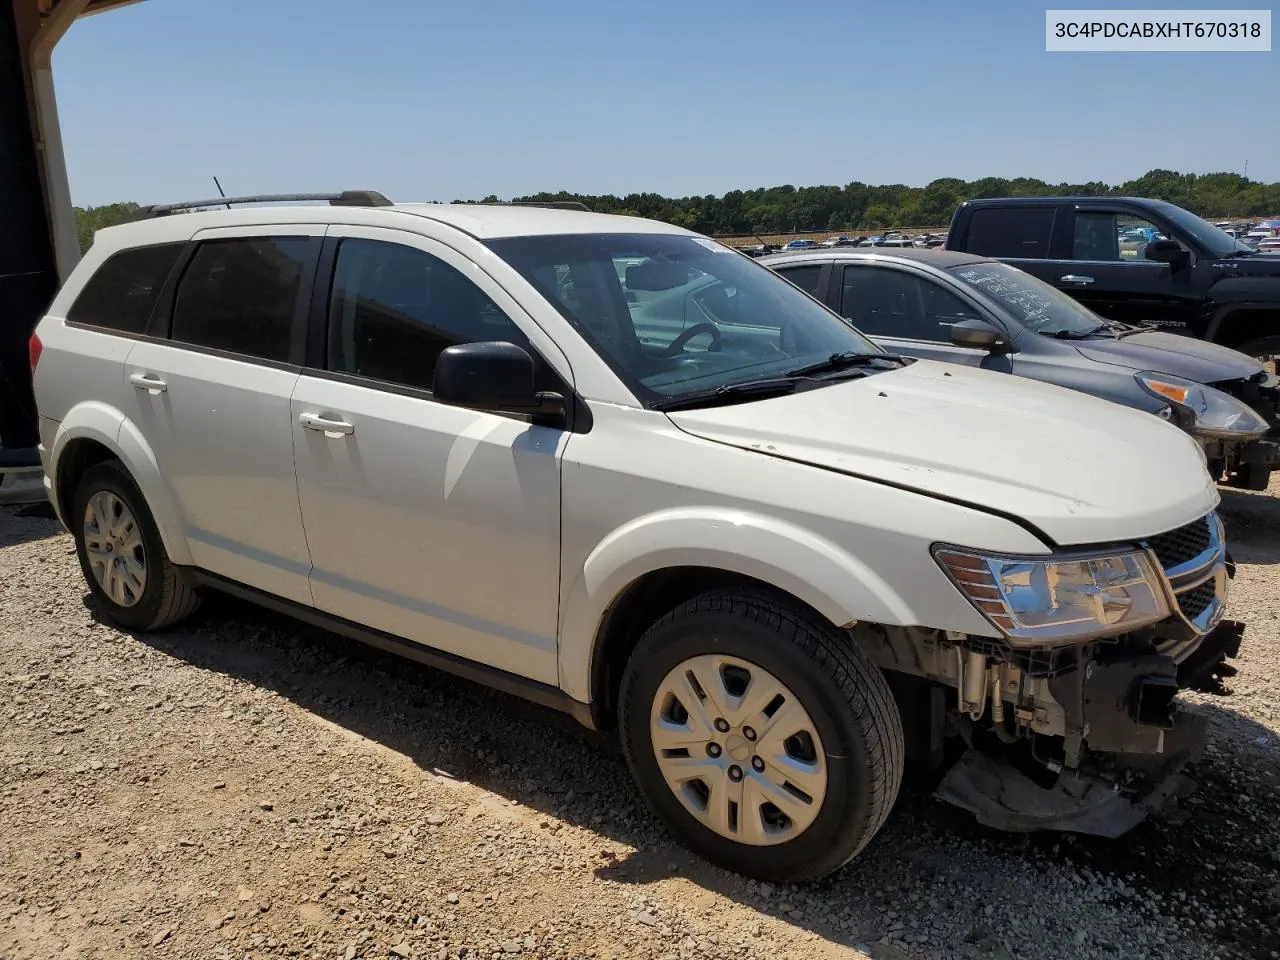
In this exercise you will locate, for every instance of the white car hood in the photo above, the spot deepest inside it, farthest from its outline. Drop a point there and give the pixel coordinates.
(1080, 469)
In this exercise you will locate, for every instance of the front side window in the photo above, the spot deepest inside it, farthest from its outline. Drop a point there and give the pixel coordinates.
(124, 290)
(1013, 232)
(805, 277)
(885, 302)
(676, 315)
(241, 295)
(393, 309)
(1038, 306)
(1213, 239)
(1106, 236)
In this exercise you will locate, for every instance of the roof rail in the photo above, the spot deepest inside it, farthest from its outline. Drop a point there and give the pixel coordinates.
(553, 204)
(347, 198)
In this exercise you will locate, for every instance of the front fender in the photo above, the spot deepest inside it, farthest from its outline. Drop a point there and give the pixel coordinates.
(809, 567)
(108, 426)
(1222, 310)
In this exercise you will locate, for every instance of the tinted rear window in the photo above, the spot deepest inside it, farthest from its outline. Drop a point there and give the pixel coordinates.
(123, 291)
(240, 295)
(1011, 232)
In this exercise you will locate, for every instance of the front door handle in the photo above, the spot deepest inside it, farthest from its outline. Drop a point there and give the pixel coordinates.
(1075, 278)
(149, 382)
(329, 427)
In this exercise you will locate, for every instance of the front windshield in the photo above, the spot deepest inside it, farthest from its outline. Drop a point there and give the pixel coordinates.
(675, 315)
(1039, 307)
(1218, 242)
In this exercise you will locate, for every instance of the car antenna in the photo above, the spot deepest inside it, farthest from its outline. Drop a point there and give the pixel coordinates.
(222, 193)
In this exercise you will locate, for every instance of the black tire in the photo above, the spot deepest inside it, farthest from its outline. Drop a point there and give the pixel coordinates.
(1263, 347)
(168, 595)
(845, 694)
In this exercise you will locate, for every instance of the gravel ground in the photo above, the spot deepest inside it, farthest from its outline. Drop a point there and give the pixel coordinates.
(246, 787)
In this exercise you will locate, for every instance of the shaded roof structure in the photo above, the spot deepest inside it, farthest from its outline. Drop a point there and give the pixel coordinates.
(38, 245)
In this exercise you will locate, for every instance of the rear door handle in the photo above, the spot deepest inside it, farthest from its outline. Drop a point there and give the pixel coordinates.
(1075, 278)
(148, 382)
(329, 427)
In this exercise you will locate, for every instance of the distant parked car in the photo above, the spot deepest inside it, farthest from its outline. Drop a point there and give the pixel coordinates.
(966, 309)
(799, 245)
(1193, 278)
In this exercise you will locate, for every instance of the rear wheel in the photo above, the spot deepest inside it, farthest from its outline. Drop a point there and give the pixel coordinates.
(762, 737)
(121, 554)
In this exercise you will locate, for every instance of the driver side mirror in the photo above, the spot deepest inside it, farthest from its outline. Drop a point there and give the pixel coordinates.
(494, 376)
(980, 335)
(1166, 251)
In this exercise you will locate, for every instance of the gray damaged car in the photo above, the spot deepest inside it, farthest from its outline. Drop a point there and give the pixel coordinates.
(971, 310)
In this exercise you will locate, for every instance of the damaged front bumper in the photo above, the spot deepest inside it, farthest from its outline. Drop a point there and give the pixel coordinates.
(1248, 464)
(1092, 737)
(1124, 743)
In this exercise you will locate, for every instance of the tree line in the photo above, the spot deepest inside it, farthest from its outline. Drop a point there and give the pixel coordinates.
(859, 206)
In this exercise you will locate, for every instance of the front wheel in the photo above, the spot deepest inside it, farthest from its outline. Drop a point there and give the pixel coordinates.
(764, 739)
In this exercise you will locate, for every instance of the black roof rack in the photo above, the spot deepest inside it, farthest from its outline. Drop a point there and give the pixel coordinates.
(347, 198)
(553, 204)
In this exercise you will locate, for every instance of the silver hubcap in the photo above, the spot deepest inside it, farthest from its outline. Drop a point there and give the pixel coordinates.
(114, 545)
(738, 749)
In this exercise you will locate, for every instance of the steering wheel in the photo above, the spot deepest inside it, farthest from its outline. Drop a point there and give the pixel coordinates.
(676, 347)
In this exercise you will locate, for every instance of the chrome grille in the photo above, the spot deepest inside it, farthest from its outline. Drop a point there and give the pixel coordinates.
(1193, 558)
(1196, 601)
(1183, 545)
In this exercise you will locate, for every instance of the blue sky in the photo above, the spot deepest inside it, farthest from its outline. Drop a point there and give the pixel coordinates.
(428, 100)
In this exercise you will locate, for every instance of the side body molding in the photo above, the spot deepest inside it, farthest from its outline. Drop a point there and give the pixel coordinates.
(811, 568)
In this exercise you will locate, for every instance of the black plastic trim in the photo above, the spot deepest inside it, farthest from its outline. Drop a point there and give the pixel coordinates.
(19, 458)
(161, 319)
(535, 691)
(317, 353)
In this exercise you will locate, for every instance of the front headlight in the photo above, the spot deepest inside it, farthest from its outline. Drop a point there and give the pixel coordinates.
(1215, 413)
(1041, 600)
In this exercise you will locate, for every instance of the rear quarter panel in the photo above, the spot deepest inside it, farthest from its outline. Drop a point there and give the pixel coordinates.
(81, 393)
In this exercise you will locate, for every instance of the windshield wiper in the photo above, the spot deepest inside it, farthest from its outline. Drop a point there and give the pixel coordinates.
(1129, 330)
(789, 382)
(730, 393)
(1078, 334)
(842, 361)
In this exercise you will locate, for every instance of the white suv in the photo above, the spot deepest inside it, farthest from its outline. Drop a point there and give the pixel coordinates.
(622, 470)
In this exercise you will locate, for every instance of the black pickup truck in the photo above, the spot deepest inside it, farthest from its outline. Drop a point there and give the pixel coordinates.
(1138, 261)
